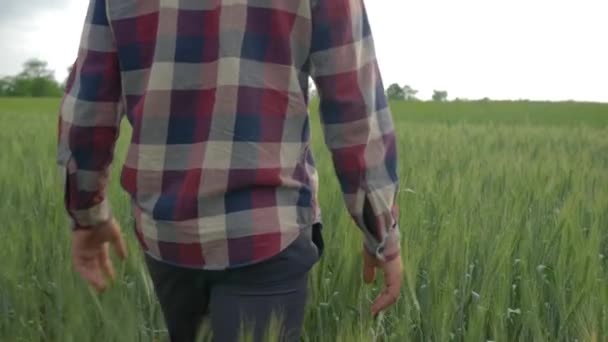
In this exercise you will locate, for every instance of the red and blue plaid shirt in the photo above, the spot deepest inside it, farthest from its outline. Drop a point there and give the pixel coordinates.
(219, 166)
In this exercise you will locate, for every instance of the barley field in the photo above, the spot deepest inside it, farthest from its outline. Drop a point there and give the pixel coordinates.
(504, 220)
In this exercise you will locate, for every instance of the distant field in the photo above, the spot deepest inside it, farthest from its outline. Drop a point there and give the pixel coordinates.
(504, 229)
(515, 113)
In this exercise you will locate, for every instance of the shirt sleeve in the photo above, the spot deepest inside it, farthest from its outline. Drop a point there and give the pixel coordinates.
(89, 121)
(357, 122)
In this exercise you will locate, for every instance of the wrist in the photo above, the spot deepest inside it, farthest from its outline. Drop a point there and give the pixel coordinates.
(91, 218)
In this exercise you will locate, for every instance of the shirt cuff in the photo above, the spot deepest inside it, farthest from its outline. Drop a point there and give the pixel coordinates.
(387, 250)
(91, 217)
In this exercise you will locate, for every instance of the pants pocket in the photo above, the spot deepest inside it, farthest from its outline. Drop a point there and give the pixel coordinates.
(317, 238)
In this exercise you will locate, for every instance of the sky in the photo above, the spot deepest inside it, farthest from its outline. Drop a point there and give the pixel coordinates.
(500, 49)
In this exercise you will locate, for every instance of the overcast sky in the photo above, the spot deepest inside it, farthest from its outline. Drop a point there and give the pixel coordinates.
(507, 49)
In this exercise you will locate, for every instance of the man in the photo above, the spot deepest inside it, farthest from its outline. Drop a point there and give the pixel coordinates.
(219, 167)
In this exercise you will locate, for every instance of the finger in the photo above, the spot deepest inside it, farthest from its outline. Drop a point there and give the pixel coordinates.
(106, 263)
(91, 273)
(369, 268)
(387, 298)
(119, 244)
(391, 293)
(369, 272)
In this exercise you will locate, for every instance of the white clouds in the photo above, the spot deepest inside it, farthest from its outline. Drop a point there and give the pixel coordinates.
(15, 10)
(57, 40)
(50, 32)
(538, 49)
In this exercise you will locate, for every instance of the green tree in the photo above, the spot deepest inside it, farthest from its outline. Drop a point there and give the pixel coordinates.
(35, 80)
(7, 86)
(395, 92)
(35, 68)
(440, 95)
(409, 93)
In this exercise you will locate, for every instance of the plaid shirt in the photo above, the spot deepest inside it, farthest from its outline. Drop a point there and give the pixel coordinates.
(219, 166)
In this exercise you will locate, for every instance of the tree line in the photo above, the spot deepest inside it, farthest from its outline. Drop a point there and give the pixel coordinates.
(396, 92)
(35, 80)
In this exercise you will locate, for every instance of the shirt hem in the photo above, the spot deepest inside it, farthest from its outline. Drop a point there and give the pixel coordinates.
(290, 241)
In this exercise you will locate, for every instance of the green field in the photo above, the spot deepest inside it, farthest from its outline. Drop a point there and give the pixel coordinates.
(504, 228)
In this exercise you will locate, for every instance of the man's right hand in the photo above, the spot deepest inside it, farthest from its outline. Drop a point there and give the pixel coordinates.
(91, 256)
(393, 274)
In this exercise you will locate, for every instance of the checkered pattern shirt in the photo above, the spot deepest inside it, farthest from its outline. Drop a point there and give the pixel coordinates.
(219, 166)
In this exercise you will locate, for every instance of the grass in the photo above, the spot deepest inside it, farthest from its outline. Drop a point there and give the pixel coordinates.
(504, 232)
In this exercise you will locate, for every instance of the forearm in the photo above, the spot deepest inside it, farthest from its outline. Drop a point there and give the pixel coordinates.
(86, 181)
(357, 121)
(368, 177)
(89, 121)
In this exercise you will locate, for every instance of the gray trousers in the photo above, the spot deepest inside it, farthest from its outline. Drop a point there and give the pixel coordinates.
(246, 297)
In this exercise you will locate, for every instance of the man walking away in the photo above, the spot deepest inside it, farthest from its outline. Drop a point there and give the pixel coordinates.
(219, 166)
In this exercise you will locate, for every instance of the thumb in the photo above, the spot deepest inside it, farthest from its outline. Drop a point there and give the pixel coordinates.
(369, 268)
